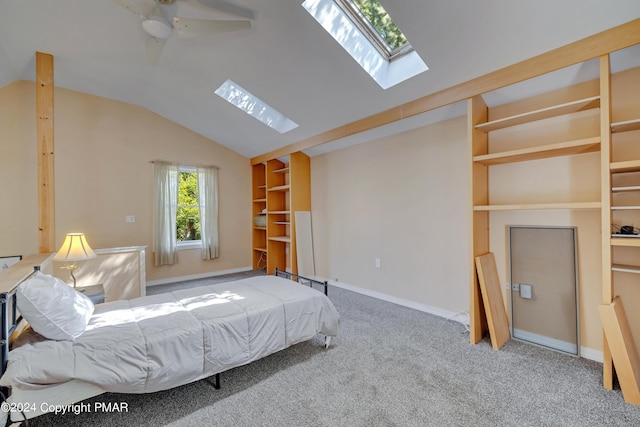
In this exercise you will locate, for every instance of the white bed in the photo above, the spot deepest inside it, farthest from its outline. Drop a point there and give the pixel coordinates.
(163, 341)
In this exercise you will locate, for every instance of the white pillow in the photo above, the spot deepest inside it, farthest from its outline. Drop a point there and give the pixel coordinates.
(53, 308)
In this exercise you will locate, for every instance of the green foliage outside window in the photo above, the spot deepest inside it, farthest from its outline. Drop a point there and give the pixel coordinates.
(188, 211)
(382, 22)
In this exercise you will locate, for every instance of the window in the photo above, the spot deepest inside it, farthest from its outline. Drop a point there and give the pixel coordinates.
(188, 207)
(185, 211)
(374, 21)
(366, 31)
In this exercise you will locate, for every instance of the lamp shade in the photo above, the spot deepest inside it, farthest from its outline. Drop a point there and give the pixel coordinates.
(74, 248)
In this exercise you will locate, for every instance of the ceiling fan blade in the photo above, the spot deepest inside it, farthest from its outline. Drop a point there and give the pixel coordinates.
(131, 8)
(225, 6)
(188, 26)
(153, 49)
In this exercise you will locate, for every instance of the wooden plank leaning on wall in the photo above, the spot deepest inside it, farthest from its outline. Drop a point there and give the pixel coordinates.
(44, 134)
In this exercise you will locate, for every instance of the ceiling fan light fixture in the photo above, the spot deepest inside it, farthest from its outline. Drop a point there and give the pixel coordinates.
(158, 27)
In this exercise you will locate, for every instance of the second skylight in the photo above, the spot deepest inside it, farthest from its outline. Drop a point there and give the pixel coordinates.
(255, 107)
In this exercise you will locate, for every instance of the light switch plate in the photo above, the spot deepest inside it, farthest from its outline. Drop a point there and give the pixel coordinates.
(525, 291)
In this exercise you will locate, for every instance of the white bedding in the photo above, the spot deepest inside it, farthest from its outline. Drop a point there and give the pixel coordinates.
(163, 341)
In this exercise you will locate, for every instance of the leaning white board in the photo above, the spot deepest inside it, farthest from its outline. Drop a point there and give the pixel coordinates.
(304, 244)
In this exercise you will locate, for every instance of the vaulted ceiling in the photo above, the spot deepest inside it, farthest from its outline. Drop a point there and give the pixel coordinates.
(287, 59)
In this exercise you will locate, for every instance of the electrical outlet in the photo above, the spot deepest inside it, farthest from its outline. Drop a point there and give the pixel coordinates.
(130, 218)
(377, 262)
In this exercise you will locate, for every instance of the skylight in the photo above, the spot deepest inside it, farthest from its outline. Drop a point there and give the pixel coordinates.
(367, 32)
(375, 22)
(252, 105)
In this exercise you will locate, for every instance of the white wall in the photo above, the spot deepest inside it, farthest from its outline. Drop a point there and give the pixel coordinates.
(102, 174)
(402, 199)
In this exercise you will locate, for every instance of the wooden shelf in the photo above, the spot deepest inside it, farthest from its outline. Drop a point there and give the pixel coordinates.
(285, 239)
(625, 241)
(260, 228)
(260, 249)
(278, 212)
(259, 200)
(626, 126)
(623, 189)
(283, 170)
(544, 113)
(628, 166)
(580, 146)
(539, 206)
(624, 208)
(280, 188)
(282, 222)
(262, 186)
(626, 268)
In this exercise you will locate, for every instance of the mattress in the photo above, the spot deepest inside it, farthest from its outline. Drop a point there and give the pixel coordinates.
(162, 341)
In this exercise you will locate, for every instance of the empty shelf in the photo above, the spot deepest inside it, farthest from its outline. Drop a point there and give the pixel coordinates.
(587, 145)
(625, 126)
(285, 239)
(539, 206)
(623, 189)
(628, 166)
(626, 268)
(544, 113)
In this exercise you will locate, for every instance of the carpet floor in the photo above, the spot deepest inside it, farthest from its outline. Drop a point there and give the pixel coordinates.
(389, 366)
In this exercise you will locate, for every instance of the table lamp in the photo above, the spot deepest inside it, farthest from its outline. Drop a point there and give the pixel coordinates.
(75, 248)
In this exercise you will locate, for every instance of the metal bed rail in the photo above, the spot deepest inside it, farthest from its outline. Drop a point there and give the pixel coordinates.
(303, 280)
(10, 320)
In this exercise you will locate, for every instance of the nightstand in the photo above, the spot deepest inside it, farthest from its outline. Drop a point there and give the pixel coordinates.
(95, 293)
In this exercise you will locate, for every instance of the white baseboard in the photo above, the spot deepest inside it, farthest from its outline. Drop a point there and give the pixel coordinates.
(591, 354)
(196, 276)
(461, 317)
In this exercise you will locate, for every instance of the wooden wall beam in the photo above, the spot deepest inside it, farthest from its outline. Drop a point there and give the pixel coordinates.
(608, 372)
(478, 144)
(616, 38)
(44, 134)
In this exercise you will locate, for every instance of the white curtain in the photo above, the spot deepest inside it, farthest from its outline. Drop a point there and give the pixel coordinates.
(208, 201)
(164, 213)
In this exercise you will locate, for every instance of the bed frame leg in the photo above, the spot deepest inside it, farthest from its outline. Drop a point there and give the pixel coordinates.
(216, 383)
(327, 342)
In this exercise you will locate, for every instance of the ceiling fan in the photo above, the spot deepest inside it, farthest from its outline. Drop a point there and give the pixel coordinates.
(160, 29)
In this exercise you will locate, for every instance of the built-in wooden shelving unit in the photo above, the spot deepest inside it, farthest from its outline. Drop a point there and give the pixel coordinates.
(282, 187)
(479, 131)
(259, 204)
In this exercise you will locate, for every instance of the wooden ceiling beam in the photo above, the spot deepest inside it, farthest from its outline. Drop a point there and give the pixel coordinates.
(608, 41)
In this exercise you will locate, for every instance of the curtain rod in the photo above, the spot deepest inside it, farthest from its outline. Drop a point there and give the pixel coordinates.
(182, 164)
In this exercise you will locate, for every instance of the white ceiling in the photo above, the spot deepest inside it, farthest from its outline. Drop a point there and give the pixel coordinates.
(289, 61)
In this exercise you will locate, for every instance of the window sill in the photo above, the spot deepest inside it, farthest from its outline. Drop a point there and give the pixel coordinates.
(196, 244)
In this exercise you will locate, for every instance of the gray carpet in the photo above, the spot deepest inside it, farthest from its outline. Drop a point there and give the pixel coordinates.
(389, 366)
